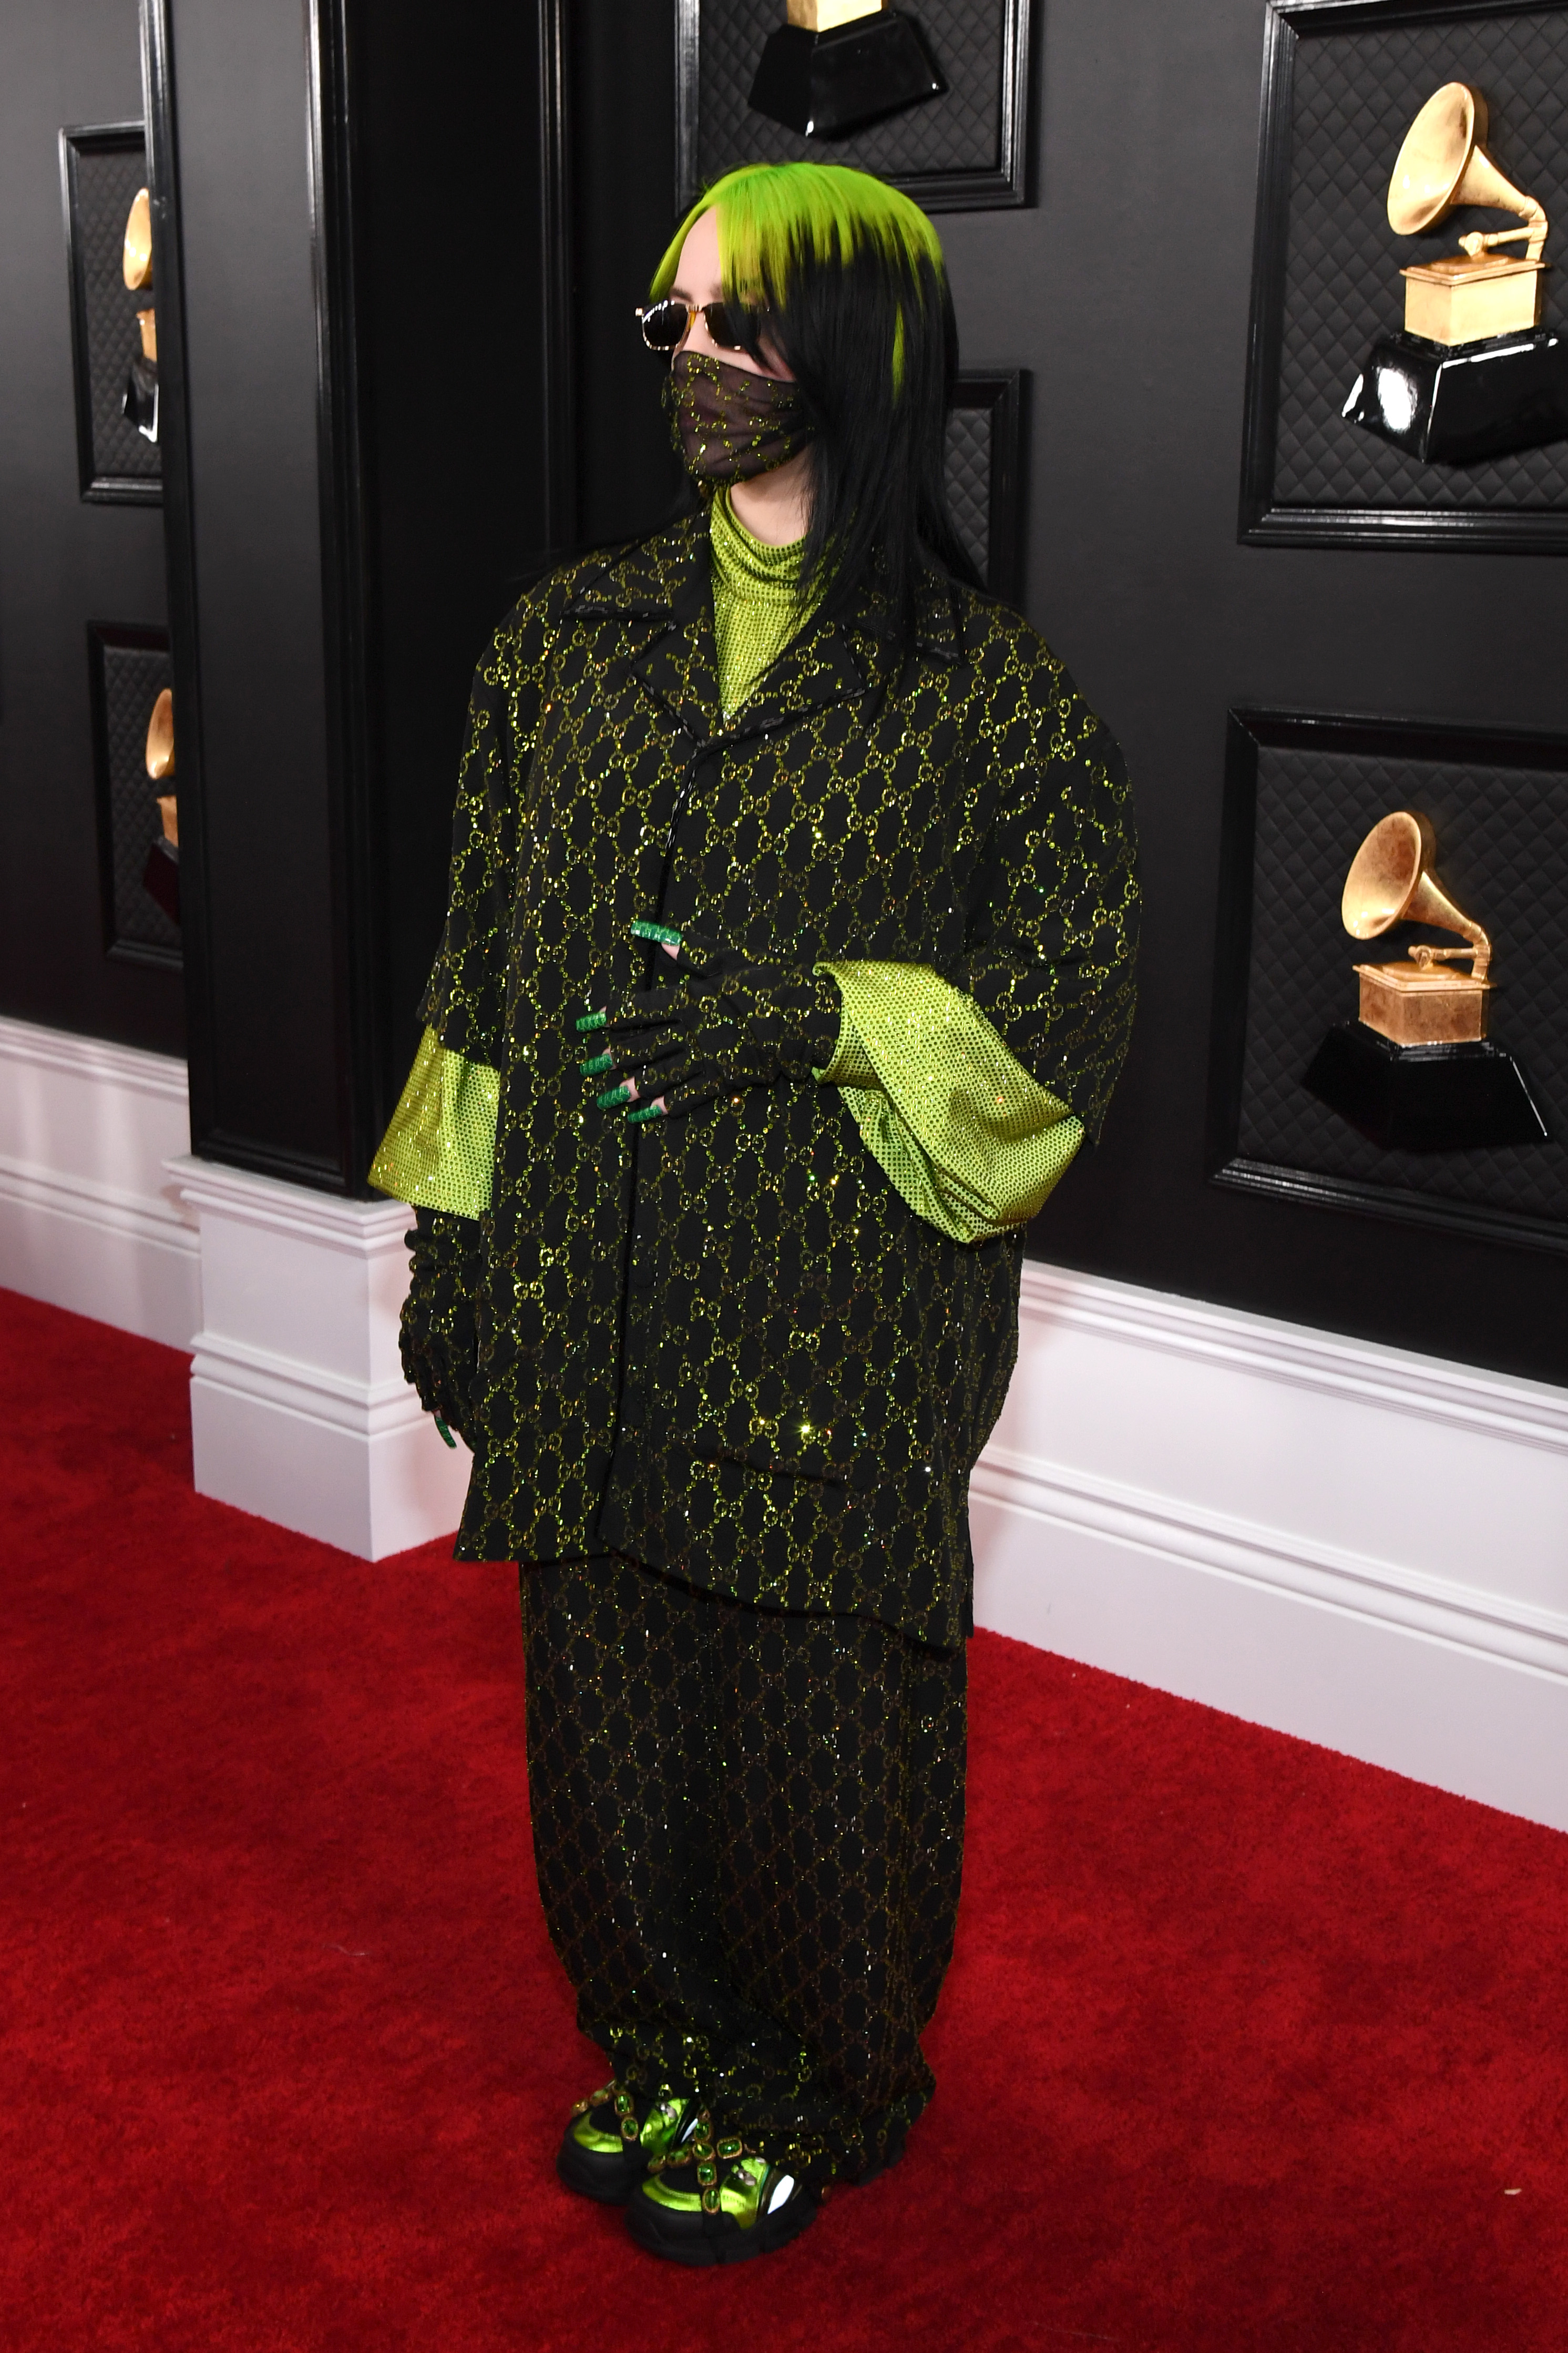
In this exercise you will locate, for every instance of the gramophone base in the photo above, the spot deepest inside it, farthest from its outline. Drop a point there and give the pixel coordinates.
(1454, 406)
(160, 878)
(824, 84)
(1424, 1098)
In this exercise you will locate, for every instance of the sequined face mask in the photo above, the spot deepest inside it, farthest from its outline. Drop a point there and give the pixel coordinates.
(728, 423)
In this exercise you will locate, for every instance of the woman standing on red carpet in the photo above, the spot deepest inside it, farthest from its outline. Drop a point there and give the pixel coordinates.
(788, 961)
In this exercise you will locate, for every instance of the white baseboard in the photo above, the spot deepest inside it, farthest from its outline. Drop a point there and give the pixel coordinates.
(1351, 1544)
(88, 1219)
(299, 1408)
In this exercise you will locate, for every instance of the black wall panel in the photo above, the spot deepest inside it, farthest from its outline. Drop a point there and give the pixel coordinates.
(450, 358)
(1126, 293)
(331, 731)
(62, 563)
(265, 1080)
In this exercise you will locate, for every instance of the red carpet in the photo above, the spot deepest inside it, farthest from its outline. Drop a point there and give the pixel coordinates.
(1243, 2047)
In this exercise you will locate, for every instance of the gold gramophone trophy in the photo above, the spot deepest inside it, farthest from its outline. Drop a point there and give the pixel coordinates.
(835, 64)
(1417, 1072)
(138, 402)
(161, 875)
(1474, 373)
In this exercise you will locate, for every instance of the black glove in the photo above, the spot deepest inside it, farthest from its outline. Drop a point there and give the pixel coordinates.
(437, 1336)
(719, 1022)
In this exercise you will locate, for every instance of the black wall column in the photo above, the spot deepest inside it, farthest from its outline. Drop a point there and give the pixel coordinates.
(360, 213)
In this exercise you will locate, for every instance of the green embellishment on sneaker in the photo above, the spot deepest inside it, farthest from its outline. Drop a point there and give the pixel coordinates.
(600, 1063)
(601, 2136)
(661, 932)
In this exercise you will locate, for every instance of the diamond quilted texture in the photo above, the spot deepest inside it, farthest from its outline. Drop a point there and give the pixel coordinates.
(1502, 854)
(105, 186)
(970, 439)
(1354, 96)
(134, 678)
(959, 131)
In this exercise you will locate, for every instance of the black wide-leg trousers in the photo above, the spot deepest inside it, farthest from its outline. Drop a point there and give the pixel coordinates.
(749, 1829)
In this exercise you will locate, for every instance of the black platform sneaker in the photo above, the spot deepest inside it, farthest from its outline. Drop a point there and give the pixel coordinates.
(712, 2199)
(613, 2137)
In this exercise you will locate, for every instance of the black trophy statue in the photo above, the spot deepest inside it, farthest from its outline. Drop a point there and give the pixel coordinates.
(1474, 373)
(839, 63)
(1418, 1072)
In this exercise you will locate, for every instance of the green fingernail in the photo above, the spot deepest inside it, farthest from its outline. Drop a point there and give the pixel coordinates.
(659, 932)
(446, 1432)
(648, 1111)
(613, 1095)
(591, 1021)
(600, 1063)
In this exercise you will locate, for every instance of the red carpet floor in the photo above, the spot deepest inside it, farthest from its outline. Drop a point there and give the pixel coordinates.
(1245, 2046)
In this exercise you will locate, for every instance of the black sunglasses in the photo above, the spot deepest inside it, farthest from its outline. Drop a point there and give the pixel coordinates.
(665, 324)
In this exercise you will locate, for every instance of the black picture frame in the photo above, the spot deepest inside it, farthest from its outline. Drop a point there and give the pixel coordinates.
(1265, 520)
(98, 486)
(978, 190)
(1003, 397)
(1247, 732)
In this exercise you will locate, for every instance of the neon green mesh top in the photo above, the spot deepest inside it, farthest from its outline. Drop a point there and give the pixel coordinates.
(970, 1140)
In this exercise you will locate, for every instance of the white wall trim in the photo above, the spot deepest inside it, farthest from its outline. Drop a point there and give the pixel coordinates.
(1362, 1371)
(88, 1219)
(1348, 1542)
(106, 1208)
(299, 1411)
(269, 1205)
(129, 1067)
(371, 1408)
(1465, 1618)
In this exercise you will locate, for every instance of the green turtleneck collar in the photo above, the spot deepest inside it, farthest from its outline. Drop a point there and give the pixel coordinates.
(756, 604)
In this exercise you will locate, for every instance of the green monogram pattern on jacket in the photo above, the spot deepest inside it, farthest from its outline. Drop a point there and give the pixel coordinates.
(723, 1345)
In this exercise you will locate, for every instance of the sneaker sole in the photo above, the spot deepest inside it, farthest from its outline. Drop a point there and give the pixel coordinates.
(607, 2181)
(700, 2241)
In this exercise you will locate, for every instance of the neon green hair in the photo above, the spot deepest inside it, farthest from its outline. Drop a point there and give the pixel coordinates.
(774, 217)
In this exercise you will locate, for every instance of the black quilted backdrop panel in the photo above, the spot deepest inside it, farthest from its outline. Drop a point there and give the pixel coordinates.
(128, 681)
(1354, 96)
(971, 443)
(1502, 855)
(105, 183)
(958, 131)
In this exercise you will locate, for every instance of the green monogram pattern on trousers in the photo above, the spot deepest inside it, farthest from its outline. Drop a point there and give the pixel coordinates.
(723, 1345)
(749, 1829)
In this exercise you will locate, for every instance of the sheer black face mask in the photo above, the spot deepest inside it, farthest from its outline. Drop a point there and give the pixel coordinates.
(729, 424)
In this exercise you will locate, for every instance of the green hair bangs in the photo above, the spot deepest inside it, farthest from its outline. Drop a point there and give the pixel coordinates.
(773, 218)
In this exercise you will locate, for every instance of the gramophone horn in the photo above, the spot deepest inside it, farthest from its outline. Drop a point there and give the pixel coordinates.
(136, 267)
(1390, 881)
(160, 739)
(1443, 162)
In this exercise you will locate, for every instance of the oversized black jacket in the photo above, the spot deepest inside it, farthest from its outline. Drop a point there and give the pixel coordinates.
(721, 1344)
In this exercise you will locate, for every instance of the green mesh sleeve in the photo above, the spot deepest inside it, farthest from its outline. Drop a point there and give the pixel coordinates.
(973, 1143)
(439, 1148)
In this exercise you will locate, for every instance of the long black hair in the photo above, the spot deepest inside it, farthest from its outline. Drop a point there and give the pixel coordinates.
(841, 279)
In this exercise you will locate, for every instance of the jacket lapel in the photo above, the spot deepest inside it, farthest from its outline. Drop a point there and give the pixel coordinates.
(663, 585)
